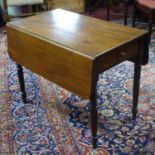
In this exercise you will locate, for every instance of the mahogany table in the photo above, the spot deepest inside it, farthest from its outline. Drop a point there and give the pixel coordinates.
(72, 50)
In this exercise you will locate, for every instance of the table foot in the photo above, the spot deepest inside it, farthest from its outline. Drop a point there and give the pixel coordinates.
(24, 97)
(134, 113)
(21, 82)
(94, 142)
(94, 125)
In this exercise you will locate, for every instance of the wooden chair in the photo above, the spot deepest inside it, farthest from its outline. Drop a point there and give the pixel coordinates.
(148, 7)
(33, 7)
(126, 5)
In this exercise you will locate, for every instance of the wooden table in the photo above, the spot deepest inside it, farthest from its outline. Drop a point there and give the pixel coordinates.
(72, 50)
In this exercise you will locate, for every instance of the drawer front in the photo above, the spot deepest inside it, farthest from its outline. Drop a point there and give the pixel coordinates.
(116, 56)
(127, 52)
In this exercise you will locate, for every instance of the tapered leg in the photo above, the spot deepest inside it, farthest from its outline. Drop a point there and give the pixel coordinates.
(93, 101)
(21, 82)
(136, 82)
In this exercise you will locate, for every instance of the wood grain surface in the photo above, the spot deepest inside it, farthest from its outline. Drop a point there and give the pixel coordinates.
(63, 47)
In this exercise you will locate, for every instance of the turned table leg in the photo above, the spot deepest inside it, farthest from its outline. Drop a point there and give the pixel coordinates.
(136, 82)
(21, 82)
(93, 101)
(94, 121)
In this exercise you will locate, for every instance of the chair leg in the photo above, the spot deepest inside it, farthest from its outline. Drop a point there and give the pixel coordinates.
(108, 10)
(126, 13)
(150, 26)
(88, 5)
(134, 16)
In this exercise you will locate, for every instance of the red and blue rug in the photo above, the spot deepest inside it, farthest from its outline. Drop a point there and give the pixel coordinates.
(55, 122)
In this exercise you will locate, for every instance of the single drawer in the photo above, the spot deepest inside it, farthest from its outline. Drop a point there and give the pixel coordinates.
(116, 56)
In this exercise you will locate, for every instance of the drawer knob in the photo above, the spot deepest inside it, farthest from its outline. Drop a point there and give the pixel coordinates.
(122, 55)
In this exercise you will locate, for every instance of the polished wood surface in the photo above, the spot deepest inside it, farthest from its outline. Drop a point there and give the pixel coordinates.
(71, 30)
(63, 47)
(59, 64)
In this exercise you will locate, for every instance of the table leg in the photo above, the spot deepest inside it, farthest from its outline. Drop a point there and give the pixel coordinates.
(136, 82)
(21, 82)
(93, 101)
(94, 121)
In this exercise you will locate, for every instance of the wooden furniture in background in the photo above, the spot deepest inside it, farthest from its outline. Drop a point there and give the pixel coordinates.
(33, 7)
(72, 50)
(148, 7)
(126, 5)
(72, 5)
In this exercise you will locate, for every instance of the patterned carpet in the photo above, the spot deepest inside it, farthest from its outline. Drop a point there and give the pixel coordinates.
(55, 122)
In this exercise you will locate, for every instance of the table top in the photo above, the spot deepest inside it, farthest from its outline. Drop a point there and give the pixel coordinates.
(87, 36)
